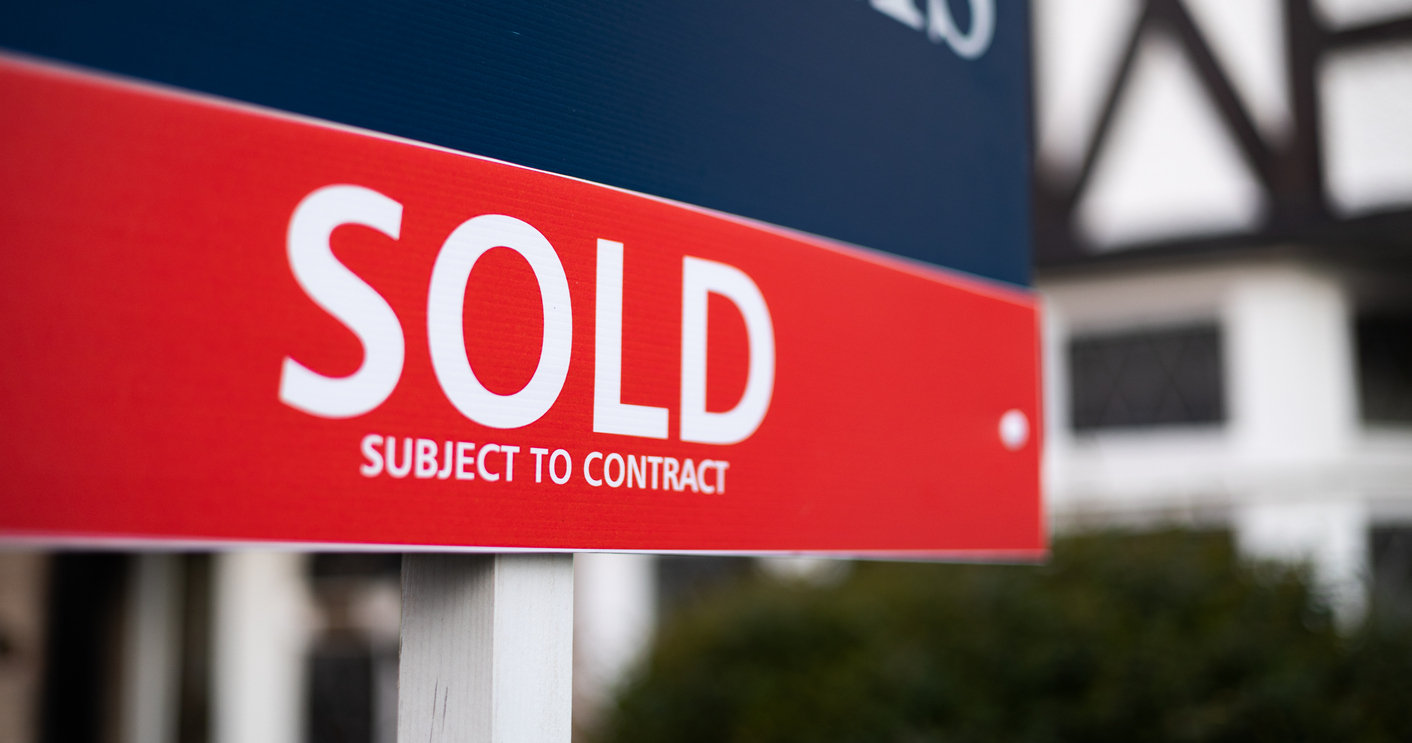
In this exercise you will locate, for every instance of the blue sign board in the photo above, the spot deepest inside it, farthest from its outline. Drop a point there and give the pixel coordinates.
(900, 125)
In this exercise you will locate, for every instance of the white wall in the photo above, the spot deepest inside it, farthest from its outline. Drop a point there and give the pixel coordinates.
(1292, 471)
(1328, 534)
(262, 626)
(615, 613)
(1290, 360)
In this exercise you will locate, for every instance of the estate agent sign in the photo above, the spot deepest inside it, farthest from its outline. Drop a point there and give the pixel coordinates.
(225, 322)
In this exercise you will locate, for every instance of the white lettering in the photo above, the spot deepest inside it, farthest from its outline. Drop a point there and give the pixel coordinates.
(942, 27)
(426, 459)
(568, 466)
(637, 468)
(700, 278)
(480, 463)
(904, 11)
(446, 468)
(669, 473)
(701, 476)
(622, 470)
(610, 415)
(348, 298)
(369, 446)
(538, 462)
(509, 452)
(586, 476)
(392, 468)
(688, 477)
(423, 458)
(445, 313)
(464, 459)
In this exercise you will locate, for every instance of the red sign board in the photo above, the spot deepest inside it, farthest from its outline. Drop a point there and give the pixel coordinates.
(225, 324)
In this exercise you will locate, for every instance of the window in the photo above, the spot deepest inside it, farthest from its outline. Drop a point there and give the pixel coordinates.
(1385, 368)
(1392, 572)
(1148, 378)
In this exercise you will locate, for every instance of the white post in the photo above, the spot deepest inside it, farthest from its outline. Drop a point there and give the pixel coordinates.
(487, 649)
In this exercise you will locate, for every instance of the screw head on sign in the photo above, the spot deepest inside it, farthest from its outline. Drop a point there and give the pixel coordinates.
(1014, 429)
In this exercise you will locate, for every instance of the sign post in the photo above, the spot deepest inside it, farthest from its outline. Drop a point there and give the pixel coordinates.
(487, 648)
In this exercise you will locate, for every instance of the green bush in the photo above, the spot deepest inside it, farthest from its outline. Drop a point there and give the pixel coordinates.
(1158, 637)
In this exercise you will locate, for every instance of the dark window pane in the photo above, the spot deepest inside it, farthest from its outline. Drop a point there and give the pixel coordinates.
(1385, 368)
(84, 644)
(341, 694)
(1149, 378)
(1392, 573)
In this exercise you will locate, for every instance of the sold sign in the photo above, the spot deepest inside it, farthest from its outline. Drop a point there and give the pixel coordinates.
(229, 325)
(344, 295)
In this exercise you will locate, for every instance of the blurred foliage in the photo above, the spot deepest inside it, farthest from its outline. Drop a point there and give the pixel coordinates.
(1158, 637)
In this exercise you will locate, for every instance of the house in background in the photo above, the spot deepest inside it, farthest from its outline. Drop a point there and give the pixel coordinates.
(1223, 231)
